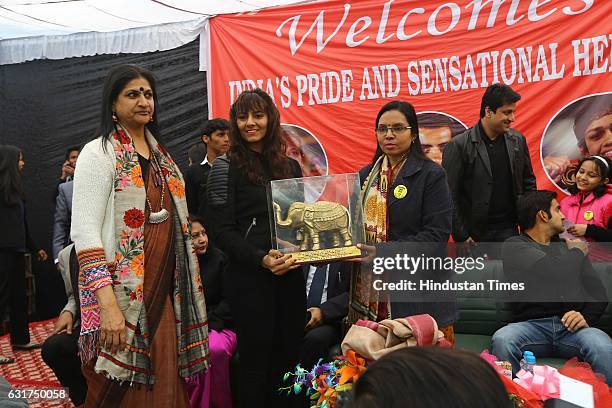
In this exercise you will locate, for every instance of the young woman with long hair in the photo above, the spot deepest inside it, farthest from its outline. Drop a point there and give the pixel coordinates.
(265, 289)
(15, 241)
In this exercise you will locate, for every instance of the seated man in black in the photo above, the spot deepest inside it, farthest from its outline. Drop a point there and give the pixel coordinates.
(60, 350)
(566, 296)
(327, 287)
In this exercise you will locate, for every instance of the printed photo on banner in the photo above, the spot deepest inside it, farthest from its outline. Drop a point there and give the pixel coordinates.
(436, 129)
(305, 148)
(582, 128)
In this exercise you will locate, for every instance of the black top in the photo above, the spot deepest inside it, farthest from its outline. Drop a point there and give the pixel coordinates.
(502, 208)
(238, 213)
(212, 266)
(599, 234)
(554, 268)
(145, 165)
(196, 177)
(15, 234)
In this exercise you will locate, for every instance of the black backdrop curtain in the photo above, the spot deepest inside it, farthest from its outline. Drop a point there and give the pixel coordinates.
(48, 105)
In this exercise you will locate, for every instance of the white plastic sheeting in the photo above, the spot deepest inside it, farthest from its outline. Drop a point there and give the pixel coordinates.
(56, 29)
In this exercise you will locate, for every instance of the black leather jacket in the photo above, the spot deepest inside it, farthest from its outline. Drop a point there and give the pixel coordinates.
(468, 170)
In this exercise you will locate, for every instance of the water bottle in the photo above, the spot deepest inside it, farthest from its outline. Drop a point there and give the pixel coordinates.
(528, 361)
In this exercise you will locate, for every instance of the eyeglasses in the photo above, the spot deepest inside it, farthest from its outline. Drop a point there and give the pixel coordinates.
(396, 130)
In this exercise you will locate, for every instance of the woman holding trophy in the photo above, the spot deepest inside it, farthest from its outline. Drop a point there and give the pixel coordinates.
(266, 289)
(405, 198)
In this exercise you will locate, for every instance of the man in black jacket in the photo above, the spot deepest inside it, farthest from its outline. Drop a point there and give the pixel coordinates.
(327, 287)
(215, 136)
(565, 293)
(488, 168)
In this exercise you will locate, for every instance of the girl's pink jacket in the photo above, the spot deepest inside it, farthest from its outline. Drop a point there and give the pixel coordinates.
(601, 208)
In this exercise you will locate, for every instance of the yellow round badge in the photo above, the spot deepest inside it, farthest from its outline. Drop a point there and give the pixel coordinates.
(400, 191)
(588, 215)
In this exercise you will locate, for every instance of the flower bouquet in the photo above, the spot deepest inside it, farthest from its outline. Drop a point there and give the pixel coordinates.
(326, 383)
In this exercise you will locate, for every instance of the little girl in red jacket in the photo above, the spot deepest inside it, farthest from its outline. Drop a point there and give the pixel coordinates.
(589, 207)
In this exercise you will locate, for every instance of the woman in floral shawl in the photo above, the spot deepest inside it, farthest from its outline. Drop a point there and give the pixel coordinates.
(142, 303)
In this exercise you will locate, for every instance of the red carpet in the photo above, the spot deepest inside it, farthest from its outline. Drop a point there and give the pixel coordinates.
(29, 371)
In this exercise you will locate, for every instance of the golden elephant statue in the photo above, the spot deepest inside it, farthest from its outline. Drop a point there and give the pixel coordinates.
(310, 220)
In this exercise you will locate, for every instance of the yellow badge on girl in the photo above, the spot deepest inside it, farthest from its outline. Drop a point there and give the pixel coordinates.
(588, 215)
(400, 191)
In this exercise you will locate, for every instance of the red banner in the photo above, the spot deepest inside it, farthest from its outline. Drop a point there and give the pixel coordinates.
(331, 65)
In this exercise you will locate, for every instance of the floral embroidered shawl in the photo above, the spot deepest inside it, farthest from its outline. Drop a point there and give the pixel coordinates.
(127, 273)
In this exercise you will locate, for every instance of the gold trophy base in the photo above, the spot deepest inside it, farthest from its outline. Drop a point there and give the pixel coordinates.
(326, 255)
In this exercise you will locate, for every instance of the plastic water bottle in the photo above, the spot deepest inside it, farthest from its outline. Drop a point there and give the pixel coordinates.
(528, 361)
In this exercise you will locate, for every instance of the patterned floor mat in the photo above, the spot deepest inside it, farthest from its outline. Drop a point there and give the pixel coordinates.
(29, 374)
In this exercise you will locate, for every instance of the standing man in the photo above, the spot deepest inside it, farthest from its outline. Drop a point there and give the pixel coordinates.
(488, 168)
(216, 138)
(67, 174)
(72, 154)
(62, 218)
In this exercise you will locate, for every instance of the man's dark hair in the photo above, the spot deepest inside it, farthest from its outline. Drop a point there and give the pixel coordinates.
(498, 95)
(433, 120)
(593, 108)
(197, 153)
(213, 125)
(431, 377)
(70, 150)
(530, 203)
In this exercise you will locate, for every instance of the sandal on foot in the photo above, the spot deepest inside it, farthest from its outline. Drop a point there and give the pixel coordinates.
(6, 360)
(29, 346)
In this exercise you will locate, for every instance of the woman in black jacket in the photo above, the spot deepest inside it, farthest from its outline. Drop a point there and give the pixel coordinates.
(265, 289)
(406, 199)
(15, 241)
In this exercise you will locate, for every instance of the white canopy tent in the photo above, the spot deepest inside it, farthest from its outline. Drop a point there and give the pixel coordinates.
(57, 29)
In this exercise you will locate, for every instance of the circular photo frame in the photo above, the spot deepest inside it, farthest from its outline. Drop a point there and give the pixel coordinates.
(306, 149)
(436, 129)
(579, 129)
